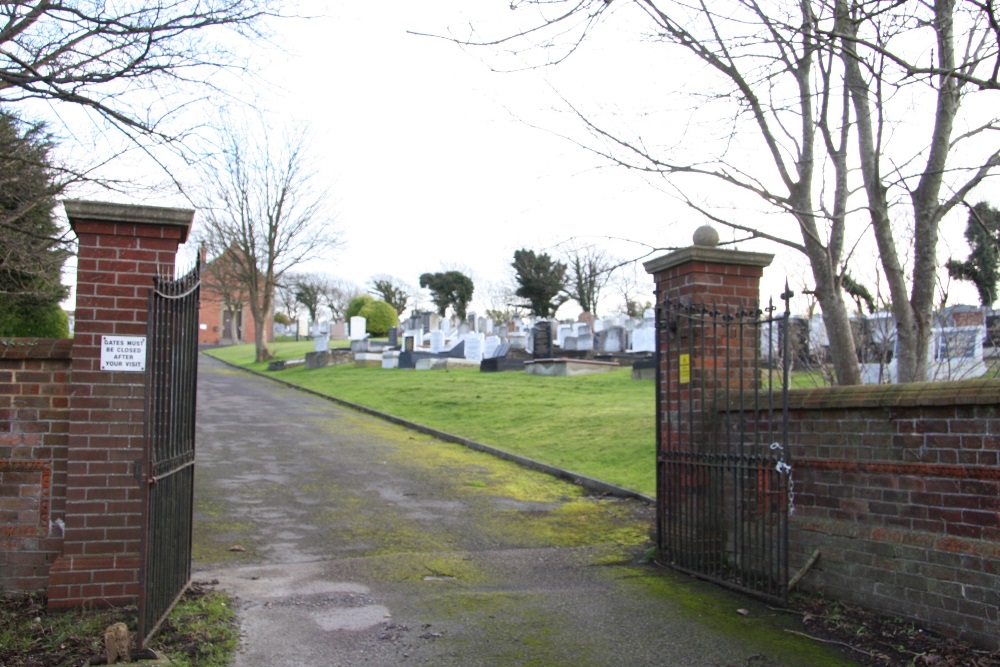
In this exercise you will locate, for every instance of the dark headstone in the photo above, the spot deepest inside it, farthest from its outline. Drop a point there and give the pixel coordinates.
(393, 336)
(317, 359)
(644, 369)
(542, 341)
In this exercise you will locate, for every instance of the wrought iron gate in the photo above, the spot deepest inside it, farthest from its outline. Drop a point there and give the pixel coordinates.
(723, 465)
(168, 473)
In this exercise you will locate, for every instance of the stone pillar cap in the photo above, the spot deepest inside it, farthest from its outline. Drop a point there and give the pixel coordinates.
(708, 255)
(98, 211)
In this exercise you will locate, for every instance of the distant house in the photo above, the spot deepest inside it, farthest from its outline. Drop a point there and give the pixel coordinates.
(223, 301)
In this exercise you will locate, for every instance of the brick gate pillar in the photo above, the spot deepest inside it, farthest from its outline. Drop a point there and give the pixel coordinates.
(719, 278)
(121, 249)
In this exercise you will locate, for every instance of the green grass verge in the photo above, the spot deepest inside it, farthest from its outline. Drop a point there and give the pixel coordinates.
(601, 426)
(201, 630)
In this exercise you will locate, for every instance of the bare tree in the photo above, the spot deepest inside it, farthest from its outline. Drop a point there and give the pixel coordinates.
(844, 115)
(286, 298)
(310, 289)
(503, 304)
(222, 276)
(106, 56)
(589, 269)
(393, 291)
(264, 204)
(635, 294)
(339, 296)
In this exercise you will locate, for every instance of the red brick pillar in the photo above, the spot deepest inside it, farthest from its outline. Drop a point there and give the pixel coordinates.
(121, 249)
(725, 281)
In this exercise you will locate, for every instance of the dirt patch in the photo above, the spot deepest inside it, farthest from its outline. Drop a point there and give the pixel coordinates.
(885, 641)
(31, 636)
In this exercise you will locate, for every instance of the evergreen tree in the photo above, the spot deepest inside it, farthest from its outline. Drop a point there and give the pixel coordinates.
(541, 281)
(450, 288)
(33, 248)
(982, 267)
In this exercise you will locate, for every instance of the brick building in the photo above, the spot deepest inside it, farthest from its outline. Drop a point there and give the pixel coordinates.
(223, 301)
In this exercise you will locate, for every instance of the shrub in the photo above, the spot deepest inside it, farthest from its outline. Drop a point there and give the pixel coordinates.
(379, 316)
(33, 320)
(356, 304)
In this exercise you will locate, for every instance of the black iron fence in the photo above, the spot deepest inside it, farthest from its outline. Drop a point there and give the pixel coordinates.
(168, 474)
(723, 465)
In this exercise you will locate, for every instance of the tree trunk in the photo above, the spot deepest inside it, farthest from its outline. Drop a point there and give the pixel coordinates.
(843, 351)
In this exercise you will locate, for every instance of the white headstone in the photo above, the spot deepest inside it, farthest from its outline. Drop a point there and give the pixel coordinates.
(613, 339)
(474, 344)
(644, 340)
(437, 341)
(321, 343)
(358, 325)
(584, 338)
(562, 333)
(490, 345)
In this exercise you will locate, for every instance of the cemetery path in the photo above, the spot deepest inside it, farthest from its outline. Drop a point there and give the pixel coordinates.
(350, 541)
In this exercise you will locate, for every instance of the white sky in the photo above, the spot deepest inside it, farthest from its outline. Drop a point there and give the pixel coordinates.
(429, 156)
(432, 161)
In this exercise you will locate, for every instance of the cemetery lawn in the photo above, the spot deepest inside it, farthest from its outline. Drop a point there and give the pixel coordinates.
(600, 426)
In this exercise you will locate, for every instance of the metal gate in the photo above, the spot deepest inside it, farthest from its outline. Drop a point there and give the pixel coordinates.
(168, 472)
(723, 465)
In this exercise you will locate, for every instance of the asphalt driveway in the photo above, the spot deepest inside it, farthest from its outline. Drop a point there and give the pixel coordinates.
(350, 541)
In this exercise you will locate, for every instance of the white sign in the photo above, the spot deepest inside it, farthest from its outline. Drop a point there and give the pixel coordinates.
(123, 353)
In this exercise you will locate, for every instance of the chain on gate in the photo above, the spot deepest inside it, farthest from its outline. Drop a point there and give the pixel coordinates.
(723, 464)
(168, 471)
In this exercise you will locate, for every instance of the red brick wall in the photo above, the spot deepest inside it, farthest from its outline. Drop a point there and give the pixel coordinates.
(210, 311)
(121, 250)
(34, 414)
(898, 487)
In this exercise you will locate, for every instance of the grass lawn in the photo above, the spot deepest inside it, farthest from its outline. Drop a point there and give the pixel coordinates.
(601, 426)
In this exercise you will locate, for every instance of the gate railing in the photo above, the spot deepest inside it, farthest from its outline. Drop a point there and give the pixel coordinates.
(723, 464)
(168, 473)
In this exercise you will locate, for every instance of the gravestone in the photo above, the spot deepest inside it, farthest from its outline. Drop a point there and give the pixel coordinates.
(490, 346)
(584, 336)
(437, 341)
(473, 346)
(541, 341)
(317, 359)
(393, 336)
(644, 339)
(358, 325)
(612, 339)
(321, 343)
(563, 332)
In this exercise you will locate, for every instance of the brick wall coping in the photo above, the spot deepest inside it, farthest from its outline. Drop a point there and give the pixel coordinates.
(707, 255)
(36, 348)
(78, 209)
(961, 392)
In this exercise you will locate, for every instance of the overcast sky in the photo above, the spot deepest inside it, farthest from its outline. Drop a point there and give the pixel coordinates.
(434, 162)
(431, 157)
